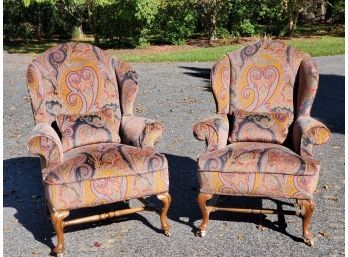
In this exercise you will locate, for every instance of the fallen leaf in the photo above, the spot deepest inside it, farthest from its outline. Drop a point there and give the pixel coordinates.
(324, 233)
(7, 229)
(96, 244)
(336, 146)
(240, 237)
(330, 197)
(260, 227)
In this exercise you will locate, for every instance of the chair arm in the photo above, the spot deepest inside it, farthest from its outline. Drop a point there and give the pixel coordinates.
(140, 132)
(44, 141)
(213, 130)
(308, 132)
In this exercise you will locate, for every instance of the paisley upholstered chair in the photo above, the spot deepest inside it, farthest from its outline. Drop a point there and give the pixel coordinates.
(93, 149)
(259, 144)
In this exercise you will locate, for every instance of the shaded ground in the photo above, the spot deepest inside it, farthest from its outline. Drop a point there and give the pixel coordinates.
(178, 95)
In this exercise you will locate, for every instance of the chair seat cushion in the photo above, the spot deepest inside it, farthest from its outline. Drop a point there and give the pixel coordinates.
(104, 173)
(257, 169)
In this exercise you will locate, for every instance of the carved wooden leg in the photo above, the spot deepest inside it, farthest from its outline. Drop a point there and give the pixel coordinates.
(308, 206)
(202, 201)
(166, 199)
(57, 218)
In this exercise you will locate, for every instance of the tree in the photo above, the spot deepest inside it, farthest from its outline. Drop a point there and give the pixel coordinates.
(211, 9)
(292, 9)
(76, 8)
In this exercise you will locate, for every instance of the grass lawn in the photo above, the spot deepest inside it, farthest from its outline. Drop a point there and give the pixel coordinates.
(321, 46)
(315, 46)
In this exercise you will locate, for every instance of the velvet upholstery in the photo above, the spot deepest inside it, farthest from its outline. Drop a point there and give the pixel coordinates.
(266, 80)
(257, 169)
(213, 130)
(140, 132)
(77, 129)
(269, 127)
(44, 141)
(89, 95)
(101, 173)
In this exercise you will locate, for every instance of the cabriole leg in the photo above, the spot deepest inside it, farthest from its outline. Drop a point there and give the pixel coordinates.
(166, 199)
(308, 206)
(57, 219)
(202, 202)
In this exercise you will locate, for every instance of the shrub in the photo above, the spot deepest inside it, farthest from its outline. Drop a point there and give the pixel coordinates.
(222, 33)
(246, 28)
(175, 21)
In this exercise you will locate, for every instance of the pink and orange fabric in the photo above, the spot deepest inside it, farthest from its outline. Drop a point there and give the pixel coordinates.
(78, 90)
(255, 89)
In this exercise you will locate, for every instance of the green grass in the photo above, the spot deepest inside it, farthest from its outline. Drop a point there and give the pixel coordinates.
(322, 46)
(315, 46)
(200, 54)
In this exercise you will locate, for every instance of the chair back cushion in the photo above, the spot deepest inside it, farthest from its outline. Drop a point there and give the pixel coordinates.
(73, 78)
(83, 129)
(263, 76)
(268, 127)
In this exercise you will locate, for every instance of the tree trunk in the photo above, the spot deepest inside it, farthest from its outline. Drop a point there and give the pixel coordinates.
(81, 35)
(92, 21)
(293, 23)
(213, 36)
(39, 27)
(96, 36)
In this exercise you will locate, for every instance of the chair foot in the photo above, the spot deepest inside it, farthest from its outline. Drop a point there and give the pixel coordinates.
(202, 202)
(308, 206)
(166, 199)
(200, 233)
(57, 219)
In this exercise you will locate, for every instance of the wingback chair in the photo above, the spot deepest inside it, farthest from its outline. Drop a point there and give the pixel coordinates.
(259, 143)
(93, 149)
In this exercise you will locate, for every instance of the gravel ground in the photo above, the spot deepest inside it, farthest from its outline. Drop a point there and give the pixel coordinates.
(182, 98)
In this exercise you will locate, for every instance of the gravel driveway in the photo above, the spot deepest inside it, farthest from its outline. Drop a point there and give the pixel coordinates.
(177, 94)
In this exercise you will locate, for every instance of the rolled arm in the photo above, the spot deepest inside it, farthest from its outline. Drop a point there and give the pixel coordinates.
(308, 132)
(45, 142)
(214, 131)
(140, 132)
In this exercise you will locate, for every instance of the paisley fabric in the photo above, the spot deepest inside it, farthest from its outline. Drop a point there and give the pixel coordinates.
(140, 132)
(269, 87)
(127, 80)
(308, 132)
(78, 84)
(85, 129)
(268, 127)
(263, 76)
(257, 169)
(44, 141)
(73, 78)
(308, 85)
(220, 83)
(104, 173)
(214, 131)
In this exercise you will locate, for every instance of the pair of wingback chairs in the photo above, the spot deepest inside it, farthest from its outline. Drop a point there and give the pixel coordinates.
(94, 151)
